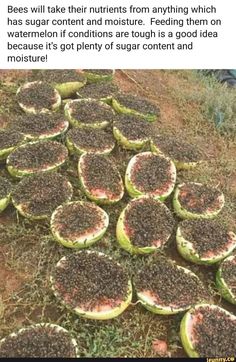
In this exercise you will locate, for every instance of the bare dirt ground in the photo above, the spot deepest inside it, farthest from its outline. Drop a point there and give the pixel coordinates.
(28, 251)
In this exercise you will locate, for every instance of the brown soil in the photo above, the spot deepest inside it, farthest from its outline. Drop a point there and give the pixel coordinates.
(199, 198)
(205, 235)
(38, 342)
(5, 188)
(91, 111)
(137, 104)
(214, 334)
(10, 280)
(151, 173)
(170, 285)
(91, 140)
(88, 280)
(37, 155)
(37, 125)
(75, 219)
(100, 173)
(176, 149)
(40, 194)
(228, 271)
(133, 127)
(148, 221)
(98, 90)
(10, 138)
(38, 95)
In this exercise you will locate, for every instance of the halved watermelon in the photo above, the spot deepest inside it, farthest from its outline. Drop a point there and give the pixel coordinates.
(79, 224)
(150, 174)
(204, 241)
(40, 126)
(98, 75)
(226, 279)
(92, 285)
(131, 131)
(144, 226)
(34, 157)
(9, 140)
(85, 140)
(38, 97)
(42, 340)
(132, 104)
(184, 155)
(66, 81)
(208, 331)
(37, 196)
(100, 179)
(5, 193)
(194, 200)
(166, 288)
(103, 91)
(89, 113)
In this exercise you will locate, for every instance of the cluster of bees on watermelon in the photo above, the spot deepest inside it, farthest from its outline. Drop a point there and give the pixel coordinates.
(84, 116)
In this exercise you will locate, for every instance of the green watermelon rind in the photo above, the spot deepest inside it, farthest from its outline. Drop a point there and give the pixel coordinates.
(55, 106)
(67, 89)
(134, 192)
(52, 325)
(18, 173)
(22, 209)
(150, 117)
(74, 149)
(223, 287)
(107, 99)
(78, 244)
(129, 144)
(184, 327)
(76, 123)
(5, 201)
(185, 214)
(93, 77)
(160, 309)
(180, 165)
(113, 313)
(98, 200)
(123, 239)
(187, 251)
